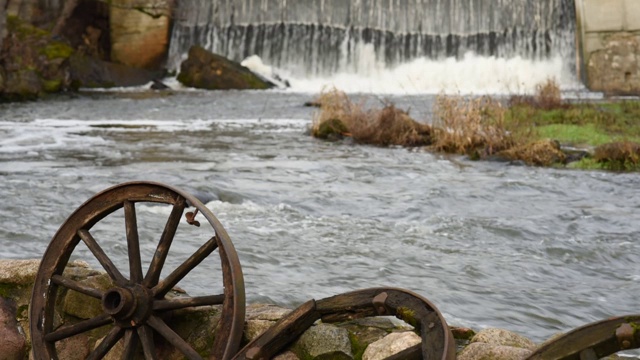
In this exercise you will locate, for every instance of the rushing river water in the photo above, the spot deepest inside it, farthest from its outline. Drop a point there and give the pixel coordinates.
(533, 250)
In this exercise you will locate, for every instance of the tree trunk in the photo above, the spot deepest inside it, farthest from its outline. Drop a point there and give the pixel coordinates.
(3, 21)
(67, 10)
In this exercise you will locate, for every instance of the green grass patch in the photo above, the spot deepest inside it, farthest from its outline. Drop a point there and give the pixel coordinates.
(574, 134)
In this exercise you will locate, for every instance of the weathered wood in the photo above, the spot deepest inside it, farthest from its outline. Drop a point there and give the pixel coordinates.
(411, 353)
(133, 243)
(174, 339)
(285, 331)
(146, 339)
(153, 274)
(75, 329)
(599, 336)
(106, 344)
(181, 271)
(181, 303)
(348, 306)
(102, 257)
(74, 285)
(437, 339)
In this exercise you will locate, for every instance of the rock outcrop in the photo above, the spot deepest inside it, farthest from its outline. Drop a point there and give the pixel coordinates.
(367, 338)
(32, 63)
(140, 32)
(205, 70)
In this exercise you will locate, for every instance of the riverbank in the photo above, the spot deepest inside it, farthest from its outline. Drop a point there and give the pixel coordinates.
(368, 338)
(538, 130)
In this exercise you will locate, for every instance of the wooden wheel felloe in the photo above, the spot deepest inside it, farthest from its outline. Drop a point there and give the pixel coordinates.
(135, 306)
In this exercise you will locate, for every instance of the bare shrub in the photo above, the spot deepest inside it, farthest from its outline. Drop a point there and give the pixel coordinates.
(474, 126)
(619, 156)
(548, 95)
(539, 153)
(338, 115)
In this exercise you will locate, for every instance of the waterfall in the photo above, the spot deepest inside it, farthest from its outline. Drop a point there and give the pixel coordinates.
(312, 38)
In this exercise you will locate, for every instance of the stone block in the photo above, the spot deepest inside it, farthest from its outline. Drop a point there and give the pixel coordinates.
(632, 9)
(604, 15)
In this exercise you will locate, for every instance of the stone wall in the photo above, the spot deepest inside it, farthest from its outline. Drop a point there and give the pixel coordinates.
(370, 338)
(609, 32)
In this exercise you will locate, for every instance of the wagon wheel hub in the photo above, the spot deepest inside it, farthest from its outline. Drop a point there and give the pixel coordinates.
(134, 312)
(128, 306)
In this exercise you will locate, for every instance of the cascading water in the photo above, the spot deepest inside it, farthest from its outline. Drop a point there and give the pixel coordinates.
(321, 38)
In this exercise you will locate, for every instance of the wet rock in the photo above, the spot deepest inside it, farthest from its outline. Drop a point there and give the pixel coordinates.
(205, 70)
(323, 341)
(88, 72)
(158, 85)
(13, 344)
(391, 345)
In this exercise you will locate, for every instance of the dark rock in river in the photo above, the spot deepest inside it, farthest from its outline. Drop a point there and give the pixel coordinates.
(90, 72)
(206, 70)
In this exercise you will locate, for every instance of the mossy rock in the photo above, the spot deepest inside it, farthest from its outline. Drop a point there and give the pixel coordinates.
(57, 50)
(205, 70)
(332, 128)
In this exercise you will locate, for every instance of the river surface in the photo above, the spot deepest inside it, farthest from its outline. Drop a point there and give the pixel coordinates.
(533, 250)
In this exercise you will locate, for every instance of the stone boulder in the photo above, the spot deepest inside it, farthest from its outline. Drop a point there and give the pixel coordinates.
(140, 32)
(616, 68)
(205, 70)
(497, 344)
(32, 62)
(13, 344)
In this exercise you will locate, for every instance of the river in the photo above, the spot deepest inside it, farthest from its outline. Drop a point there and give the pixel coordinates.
(533, 250)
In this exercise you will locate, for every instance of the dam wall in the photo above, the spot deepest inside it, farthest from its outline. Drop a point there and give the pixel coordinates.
(609, 45)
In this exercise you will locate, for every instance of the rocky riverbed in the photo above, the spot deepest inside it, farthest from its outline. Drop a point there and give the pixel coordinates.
(368, 338)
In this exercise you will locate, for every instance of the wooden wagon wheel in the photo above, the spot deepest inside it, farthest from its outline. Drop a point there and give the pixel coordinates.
(133, 307)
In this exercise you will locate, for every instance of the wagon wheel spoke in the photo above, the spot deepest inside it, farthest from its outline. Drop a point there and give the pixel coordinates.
(74, 285)
(106, 344)
(181, 271)
(133, 243)
(173, 338)
(131, 308)
(79, 328)
(130, 344)
(102, 257)
(181, 303)
(153, 274)
(146, 338)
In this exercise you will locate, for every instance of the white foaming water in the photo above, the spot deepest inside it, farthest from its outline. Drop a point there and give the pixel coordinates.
(469, 75)
(48, 134)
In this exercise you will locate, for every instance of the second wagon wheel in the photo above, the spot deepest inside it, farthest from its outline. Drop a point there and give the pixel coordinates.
(134, 307)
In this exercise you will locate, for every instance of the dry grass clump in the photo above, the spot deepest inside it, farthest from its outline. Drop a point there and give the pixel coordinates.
(547, 96)
(392, 126)
(619, 156)
(339, 116)
(473, 126)
(538, 153)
